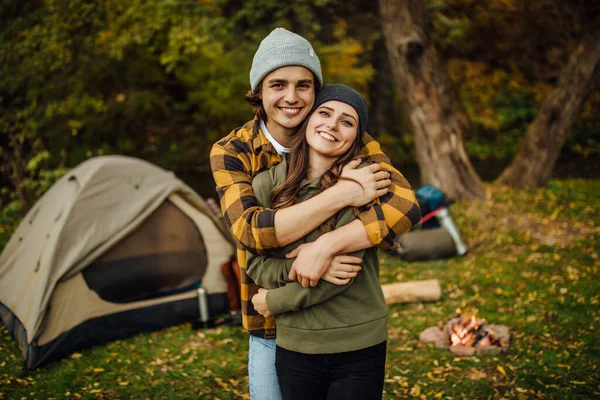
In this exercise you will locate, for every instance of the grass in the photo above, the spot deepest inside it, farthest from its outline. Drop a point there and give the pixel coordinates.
(533, 265)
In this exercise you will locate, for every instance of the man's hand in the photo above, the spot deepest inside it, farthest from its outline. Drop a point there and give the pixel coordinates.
(363, 185)
(342, 269)
(312, 260)
(259, 301)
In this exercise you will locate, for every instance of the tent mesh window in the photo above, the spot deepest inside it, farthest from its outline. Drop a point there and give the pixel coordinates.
(163, 256)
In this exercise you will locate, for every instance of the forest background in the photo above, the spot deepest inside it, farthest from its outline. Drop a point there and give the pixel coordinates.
(163, 80)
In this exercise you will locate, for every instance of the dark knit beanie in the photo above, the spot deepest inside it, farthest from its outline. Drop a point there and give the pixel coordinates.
(345, 94)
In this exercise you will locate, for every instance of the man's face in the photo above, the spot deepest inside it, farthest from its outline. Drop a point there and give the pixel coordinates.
(288, 94)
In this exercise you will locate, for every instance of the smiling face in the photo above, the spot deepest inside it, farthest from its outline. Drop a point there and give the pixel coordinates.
(331, 132)
(287, 94)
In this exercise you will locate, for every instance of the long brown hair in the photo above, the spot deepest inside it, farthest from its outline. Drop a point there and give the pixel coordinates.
(285, 194)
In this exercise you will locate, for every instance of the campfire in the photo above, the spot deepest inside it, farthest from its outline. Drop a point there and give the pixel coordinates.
(466, 335)
(470, 331)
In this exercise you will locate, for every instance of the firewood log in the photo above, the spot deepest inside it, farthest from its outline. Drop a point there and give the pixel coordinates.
(411, 292)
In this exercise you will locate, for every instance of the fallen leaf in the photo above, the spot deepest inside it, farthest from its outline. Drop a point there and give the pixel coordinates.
(477, 374)
(415, 391)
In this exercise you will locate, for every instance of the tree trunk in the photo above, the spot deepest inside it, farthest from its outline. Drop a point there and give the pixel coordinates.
(437, 118)
(545, 137)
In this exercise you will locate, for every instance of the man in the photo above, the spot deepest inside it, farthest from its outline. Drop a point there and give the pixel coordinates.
(284, 78)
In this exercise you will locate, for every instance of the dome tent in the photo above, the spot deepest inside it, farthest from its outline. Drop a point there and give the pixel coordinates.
(115, 247)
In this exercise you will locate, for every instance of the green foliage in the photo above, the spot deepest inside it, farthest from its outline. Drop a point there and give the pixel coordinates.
(10, 216)
(505, 56)
(395, 149)
(448, 29)
(501, 105)
(164, 79)
(160, 80)
(39, 178)
(585, 138)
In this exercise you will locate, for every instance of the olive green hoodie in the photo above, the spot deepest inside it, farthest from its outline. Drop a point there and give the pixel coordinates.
(327, 318)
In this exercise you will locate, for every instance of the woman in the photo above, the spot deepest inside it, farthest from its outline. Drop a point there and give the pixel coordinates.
(336, 348)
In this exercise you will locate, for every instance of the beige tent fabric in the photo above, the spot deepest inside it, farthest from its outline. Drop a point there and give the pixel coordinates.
(73, 302)
(81, 216)
(218, 248)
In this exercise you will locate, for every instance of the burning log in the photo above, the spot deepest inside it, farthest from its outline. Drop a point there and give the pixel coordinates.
(466, 335)
(411, 292)
(470, 331)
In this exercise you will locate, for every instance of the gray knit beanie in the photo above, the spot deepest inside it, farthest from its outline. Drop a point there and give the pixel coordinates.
(282, 48)
(345, 94)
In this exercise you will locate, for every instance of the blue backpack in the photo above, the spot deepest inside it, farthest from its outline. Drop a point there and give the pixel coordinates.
(430, 198)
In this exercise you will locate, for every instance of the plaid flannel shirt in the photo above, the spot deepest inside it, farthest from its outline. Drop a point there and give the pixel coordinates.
(237, 158)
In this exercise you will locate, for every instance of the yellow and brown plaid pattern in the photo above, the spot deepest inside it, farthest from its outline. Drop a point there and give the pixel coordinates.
(245, 152)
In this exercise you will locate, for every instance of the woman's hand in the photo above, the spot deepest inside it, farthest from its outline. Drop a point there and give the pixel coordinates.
(259, 301)
(362, 185)
(342, 269)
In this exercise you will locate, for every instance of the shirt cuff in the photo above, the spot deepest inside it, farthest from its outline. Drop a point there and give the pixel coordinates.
(374, 222)
(277, 301)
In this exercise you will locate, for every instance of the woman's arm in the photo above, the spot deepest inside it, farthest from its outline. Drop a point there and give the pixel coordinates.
(267, 271)
(293, 297)
(290, 295)
(272, 272)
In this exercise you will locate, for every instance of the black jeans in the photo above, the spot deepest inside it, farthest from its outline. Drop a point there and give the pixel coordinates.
(351, 375)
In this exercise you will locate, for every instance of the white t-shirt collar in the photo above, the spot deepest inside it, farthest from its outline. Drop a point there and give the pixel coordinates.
(278, 147)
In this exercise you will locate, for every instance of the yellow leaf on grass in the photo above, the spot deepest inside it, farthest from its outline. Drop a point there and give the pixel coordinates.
(124, 383)
(477, 374)
(501, 369)
(415, 391)
(221, 383)
(75, 356)
(98, 370)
